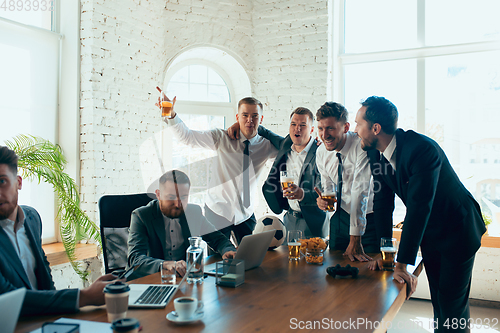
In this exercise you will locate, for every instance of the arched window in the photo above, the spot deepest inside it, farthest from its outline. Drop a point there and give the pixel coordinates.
(198, 83)
(208, 84)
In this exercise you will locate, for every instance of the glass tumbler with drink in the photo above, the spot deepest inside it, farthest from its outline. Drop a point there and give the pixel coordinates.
(388, 247)
(293, 239)
(168, 272)
(329, 194)
(194, 261)
(286, 180)
(166, 105)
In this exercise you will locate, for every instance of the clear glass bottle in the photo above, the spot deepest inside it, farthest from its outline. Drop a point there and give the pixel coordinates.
(194, 256)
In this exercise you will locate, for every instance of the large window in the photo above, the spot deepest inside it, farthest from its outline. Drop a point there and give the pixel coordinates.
(438, 61)
(29, 67)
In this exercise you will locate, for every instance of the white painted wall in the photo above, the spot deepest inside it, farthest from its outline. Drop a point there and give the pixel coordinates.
(485, 277)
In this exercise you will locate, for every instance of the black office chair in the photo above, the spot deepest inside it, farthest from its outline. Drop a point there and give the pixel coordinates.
(114, 214)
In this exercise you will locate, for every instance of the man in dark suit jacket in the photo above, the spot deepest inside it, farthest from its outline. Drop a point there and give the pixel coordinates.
(442, 217)
(297, 156)
(25, 264)
(149, 246)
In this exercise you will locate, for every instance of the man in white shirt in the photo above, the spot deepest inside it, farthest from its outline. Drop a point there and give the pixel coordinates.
(22, 260)
(351, 227)
(297, 156)
(232, 191)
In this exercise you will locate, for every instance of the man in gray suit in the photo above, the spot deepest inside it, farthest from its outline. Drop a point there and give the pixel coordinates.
(159, 231)
(22, 260)
(297, 156)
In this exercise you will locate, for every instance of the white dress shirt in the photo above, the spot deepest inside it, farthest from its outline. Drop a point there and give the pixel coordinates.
(294, 163)
(21, 244)
(225, 193)
(357, 188)
(390, 152)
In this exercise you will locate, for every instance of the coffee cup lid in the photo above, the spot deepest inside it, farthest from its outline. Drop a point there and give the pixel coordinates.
(125, 324)
(116, 288)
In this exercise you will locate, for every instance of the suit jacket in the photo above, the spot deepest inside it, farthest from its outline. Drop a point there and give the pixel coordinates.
(309, 178)
(441, 213)
(146, 241)
(45, 300)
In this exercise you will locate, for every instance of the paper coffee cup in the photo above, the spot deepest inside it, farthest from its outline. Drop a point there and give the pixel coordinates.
(116, 297)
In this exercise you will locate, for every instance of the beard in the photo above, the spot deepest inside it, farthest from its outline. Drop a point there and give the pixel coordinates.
(6, 209)
(369, 145)
(170, 210)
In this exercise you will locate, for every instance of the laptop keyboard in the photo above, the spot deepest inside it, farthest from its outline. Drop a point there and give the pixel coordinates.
(155, 295)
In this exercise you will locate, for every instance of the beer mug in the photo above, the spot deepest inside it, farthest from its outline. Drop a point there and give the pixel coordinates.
(293, 239)
(286, 180)
(329, 194)
(388, 247)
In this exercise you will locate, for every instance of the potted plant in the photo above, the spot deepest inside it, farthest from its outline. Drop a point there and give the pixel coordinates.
(487, 220)
(41, 160)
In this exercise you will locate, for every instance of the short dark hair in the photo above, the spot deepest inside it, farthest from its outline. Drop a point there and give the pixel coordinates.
(250, 101)
(302, 110)
(9, 157)
(381, 111)
(332, 109)
(175, 176)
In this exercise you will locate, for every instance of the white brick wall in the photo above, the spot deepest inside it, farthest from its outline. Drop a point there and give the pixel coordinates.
(290, 57)
(122, 54)
(290, 61)
(126, 45)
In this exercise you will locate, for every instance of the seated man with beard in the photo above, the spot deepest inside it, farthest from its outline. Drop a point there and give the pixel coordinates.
(160, 230)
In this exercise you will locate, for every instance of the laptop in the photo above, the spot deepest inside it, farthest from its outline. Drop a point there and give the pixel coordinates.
(10, 308)
(252, 249)
(154, 296)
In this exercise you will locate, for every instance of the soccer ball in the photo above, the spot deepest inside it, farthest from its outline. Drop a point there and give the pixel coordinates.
(270, 222)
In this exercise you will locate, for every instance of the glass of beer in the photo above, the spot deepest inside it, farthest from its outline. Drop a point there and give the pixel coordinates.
(388, 247)
(293, 239)
(285, 180)
(166, 108)
(329, 194)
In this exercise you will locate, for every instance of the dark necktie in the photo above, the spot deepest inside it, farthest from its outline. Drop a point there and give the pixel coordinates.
(339, 187)
(246, 175)
(388, 170)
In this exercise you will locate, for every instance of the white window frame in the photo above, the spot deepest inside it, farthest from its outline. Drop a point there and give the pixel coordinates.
(339, 59)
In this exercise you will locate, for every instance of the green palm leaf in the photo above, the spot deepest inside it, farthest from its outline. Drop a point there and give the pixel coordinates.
(44, 161)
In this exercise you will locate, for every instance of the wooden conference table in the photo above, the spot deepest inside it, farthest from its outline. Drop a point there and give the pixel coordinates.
(278, 296)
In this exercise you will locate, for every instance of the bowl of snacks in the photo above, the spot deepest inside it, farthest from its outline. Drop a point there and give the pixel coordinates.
(313, 249)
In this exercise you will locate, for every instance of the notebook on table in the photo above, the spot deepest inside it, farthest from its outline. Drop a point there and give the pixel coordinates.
(153, 296)
(252, 250)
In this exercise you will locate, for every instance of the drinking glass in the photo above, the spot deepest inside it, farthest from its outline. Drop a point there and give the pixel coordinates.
(293, 240)
(388, 247)
(329, 194)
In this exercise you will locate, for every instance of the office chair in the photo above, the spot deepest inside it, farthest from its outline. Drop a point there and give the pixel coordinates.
(114, 214)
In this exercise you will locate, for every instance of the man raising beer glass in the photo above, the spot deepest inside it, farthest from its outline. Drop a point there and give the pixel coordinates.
(342, 162)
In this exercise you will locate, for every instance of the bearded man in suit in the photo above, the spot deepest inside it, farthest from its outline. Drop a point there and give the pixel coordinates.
(442, 217)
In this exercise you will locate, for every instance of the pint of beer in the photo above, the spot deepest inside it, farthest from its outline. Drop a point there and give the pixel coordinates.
(293, 239)
(166, 108)
(286, 183)
(285, 180)
(388, 249)
(293, 251)
(330, 199)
